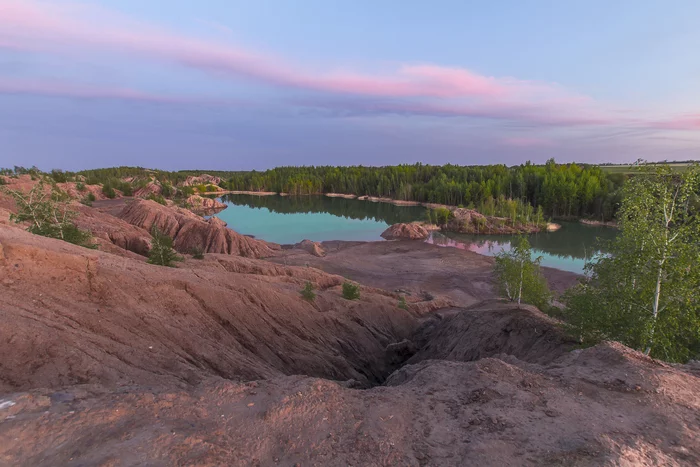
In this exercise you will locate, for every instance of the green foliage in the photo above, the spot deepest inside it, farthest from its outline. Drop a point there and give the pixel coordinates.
(48, 213)
(108, 190)
(307, 292)
(519, 277)
(58, 176)
(2, 181)
(197, 252)
(80, 186)
(351, 291)
(157, 198)
(162, 252)
(402, 303)
(441, 216)
(167, 190)
(186, 191)
(561, 190)
(644, 293)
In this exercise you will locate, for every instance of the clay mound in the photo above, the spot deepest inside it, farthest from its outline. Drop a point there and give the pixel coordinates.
(471, 221)
(313, 248)
(78, 316)
(118, 232)
(405, 232)
(151, 188)
(489, 329)
(204, 179)
(200, 203)
(190, 231)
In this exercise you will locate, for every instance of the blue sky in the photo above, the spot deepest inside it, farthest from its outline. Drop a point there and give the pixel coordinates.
(240, 85)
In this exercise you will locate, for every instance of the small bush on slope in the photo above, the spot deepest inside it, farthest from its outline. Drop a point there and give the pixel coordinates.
(351, 291)
(162, 252)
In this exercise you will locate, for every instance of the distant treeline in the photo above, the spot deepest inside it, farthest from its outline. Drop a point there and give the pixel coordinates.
(562, 190)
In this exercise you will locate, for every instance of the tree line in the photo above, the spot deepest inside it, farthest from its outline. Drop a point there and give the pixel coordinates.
(561, 190)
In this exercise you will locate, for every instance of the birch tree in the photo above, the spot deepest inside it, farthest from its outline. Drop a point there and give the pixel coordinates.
(646, 292)
(519, 277)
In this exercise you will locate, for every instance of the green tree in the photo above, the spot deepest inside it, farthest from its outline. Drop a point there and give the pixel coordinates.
(645, 292)
(308, 292)
(351, 291)
(48, 212)
(519, 277)
(162, 252)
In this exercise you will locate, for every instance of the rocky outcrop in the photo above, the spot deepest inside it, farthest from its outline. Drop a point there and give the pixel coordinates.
(200, 203)
(118, 232)
(190, 231)
(151, 188)
(473, 222)
(406, 232)
(204, 179)
(313, 248)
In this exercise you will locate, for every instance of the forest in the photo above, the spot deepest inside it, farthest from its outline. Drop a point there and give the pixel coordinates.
(562, 190)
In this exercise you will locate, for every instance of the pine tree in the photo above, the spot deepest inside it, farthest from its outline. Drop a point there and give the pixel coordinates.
(162, 252)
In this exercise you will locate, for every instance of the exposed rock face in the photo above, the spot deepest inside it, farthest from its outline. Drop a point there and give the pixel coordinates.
(406, 232)
(200, 203)
(191, 231)
(203, 179)
(110, 228)
(313, 248)
(152, 188)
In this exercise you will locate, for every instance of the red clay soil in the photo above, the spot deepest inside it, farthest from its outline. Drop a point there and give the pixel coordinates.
(107, 360)
(189, 230)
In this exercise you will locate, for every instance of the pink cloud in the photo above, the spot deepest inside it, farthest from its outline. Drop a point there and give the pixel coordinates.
(415, 89)
(682, 122)
(66, 28)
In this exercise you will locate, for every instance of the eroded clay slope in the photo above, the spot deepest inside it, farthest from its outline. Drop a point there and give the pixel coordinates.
(191, 231)
(69, 315)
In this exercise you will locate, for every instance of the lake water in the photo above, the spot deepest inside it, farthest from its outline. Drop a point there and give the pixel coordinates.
(287, 219)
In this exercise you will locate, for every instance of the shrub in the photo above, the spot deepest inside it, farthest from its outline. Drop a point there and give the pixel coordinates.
(108, 191)
(86, 201)
(351, 291)
(80, 186)
(49, 215)
(308, 292)
(162, 252)
(2, 181)
(157, 198)
(186, 191)
(442, 216)
(167, 190)
(91, 197)
(402, 303)
(197, 252)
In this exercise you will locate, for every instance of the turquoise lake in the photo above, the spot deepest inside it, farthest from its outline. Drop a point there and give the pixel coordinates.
(284, 220)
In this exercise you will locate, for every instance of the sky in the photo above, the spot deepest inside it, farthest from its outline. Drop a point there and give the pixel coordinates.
(240, 84)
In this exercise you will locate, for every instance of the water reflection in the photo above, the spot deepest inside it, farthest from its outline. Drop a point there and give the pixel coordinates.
(349, 208)
(567, 249)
